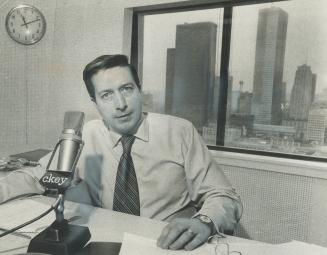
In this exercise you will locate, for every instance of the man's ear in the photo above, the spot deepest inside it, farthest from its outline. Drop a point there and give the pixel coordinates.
(94, 102)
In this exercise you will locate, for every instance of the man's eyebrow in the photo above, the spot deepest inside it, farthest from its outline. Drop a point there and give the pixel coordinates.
(126, 84)
(105, 90)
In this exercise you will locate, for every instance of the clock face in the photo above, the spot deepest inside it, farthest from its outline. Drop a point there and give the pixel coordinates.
(25, 24)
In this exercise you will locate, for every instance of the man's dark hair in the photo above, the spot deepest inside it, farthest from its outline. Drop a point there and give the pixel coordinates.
(105, 62)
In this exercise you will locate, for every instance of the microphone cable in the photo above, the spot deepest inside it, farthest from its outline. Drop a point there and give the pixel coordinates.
(53, 206)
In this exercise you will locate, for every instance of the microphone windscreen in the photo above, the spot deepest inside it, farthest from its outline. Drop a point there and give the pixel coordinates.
(74, 120)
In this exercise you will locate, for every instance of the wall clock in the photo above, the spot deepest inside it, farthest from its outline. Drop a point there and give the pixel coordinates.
(25, 24)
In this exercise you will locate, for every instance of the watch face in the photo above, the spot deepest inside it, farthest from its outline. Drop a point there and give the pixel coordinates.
(204, 218)
(25, 24)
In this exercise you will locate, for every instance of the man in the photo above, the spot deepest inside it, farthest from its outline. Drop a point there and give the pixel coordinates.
(149, 164)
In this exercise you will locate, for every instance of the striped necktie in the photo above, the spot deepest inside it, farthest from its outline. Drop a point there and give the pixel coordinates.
(126, 196)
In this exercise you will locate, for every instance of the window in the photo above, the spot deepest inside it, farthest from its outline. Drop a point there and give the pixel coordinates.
(251, 77)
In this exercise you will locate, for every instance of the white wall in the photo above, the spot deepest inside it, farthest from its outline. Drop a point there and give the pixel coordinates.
(283, 199)
(38, 83)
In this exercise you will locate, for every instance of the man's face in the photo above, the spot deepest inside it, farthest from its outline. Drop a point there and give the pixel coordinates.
(118, 99)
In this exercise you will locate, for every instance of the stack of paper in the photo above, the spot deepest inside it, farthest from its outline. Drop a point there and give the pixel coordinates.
(137, 245)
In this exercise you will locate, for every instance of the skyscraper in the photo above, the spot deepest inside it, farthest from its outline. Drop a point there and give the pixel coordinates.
(170, 67)
(302, 96)
(194, 72)
(215, 99)
(317, 126)
(244, 103)
(269, 63)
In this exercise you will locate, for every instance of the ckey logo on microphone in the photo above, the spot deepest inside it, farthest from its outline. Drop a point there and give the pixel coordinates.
(56, 180)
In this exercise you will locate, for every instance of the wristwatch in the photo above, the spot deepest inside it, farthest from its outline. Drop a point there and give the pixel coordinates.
(207, 221)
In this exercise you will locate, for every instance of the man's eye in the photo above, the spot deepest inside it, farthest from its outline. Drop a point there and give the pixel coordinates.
(128, 88)
(106, 95)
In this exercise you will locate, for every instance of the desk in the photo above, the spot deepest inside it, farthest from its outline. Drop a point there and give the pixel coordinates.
(104, 225)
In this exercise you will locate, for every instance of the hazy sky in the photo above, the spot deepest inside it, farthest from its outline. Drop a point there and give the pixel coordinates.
(306, 42)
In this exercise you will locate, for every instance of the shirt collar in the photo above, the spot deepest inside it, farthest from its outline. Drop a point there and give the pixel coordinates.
(142, 132)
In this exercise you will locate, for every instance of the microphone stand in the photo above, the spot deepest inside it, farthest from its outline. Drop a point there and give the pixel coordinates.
(60, 238)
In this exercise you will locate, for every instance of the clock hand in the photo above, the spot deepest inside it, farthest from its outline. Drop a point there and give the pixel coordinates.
(25, 24)
(30, 22)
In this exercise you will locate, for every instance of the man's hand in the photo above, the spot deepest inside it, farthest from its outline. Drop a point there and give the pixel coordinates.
(183, 233)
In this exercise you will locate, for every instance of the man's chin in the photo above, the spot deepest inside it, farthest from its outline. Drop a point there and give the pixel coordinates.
(124, 129)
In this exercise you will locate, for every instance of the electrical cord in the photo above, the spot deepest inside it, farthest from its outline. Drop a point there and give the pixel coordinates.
(53, 206)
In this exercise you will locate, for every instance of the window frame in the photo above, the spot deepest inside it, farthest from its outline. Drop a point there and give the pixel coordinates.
(136, 50)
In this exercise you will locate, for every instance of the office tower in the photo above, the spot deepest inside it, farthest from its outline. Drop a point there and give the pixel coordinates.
(235, 100)
(242, 121)
(269, 63)
(170, 67)
(215, 98)
(302, 96)
(317, 126)
(244, 103)
(194, 72)
(313, 91)
(283, 97)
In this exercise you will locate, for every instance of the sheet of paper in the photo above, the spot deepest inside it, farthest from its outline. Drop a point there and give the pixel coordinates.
(137, 245)
(291, 248)
(17, 212)
(298, 247)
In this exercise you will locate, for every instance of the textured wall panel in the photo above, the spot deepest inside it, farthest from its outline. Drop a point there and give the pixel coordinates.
(277, 206)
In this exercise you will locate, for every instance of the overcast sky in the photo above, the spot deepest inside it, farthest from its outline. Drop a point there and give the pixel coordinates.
(306, 42)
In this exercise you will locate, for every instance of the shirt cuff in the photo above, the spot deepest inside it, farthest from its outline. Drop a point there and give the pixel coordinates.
(225, 214)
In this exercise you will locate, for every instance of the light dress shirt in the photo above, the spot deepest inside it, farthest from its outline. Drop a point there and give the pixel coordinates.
(176, 174)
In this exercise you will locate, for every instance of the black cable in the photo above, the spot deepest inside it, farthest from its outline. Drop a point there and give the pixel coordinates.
(31, 221)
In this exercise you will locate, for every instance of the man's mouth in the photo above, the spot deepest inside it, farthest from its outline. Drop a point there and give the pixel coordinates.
(123, 115)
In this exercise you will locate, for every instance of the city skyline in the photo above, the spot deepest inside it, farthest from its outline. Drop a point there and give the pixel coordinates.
(301, 46)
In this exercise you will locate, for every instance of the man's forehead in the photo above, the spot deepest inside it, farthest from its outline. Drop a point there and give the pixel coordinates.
(113, 76)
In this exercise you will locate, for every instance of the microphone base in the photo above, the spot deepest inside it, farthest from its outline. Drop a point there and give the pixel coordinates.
(60, 239)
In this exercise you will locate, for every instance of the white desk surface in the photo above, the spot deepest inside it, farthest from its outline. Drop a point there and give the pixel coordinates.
(104, 225)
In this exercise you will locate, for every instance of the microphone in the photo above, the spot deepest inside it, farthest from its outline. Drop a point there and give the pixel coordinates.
(62, 238)
(71, 144)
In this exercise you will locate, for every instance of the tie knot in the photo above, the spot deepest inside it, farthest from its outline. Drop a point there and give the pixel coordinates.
(127, 142)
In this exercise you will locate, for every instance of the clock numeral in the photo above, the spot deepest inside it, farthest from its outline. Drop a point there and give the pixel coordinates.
(38, 31)
(11, 24)
(25, 38)
(14, 31)
(13, 16)
(33, 37)
(19, 35)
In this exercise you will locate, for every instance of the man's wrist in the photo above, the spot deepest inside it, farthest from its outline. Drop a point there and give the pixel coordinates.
(208, 222)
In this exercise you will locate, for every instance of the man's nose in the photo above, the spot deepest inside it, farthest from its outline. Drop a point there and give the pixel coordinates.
(120, 102)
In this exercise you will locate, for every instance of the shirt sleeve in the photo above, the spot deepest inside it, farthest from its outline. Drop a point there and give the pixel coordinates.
(21, 183)
(208, 186)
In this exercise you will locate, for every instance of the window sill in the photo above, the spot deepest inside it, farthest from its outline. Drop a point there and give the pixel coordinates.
(273, 164)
